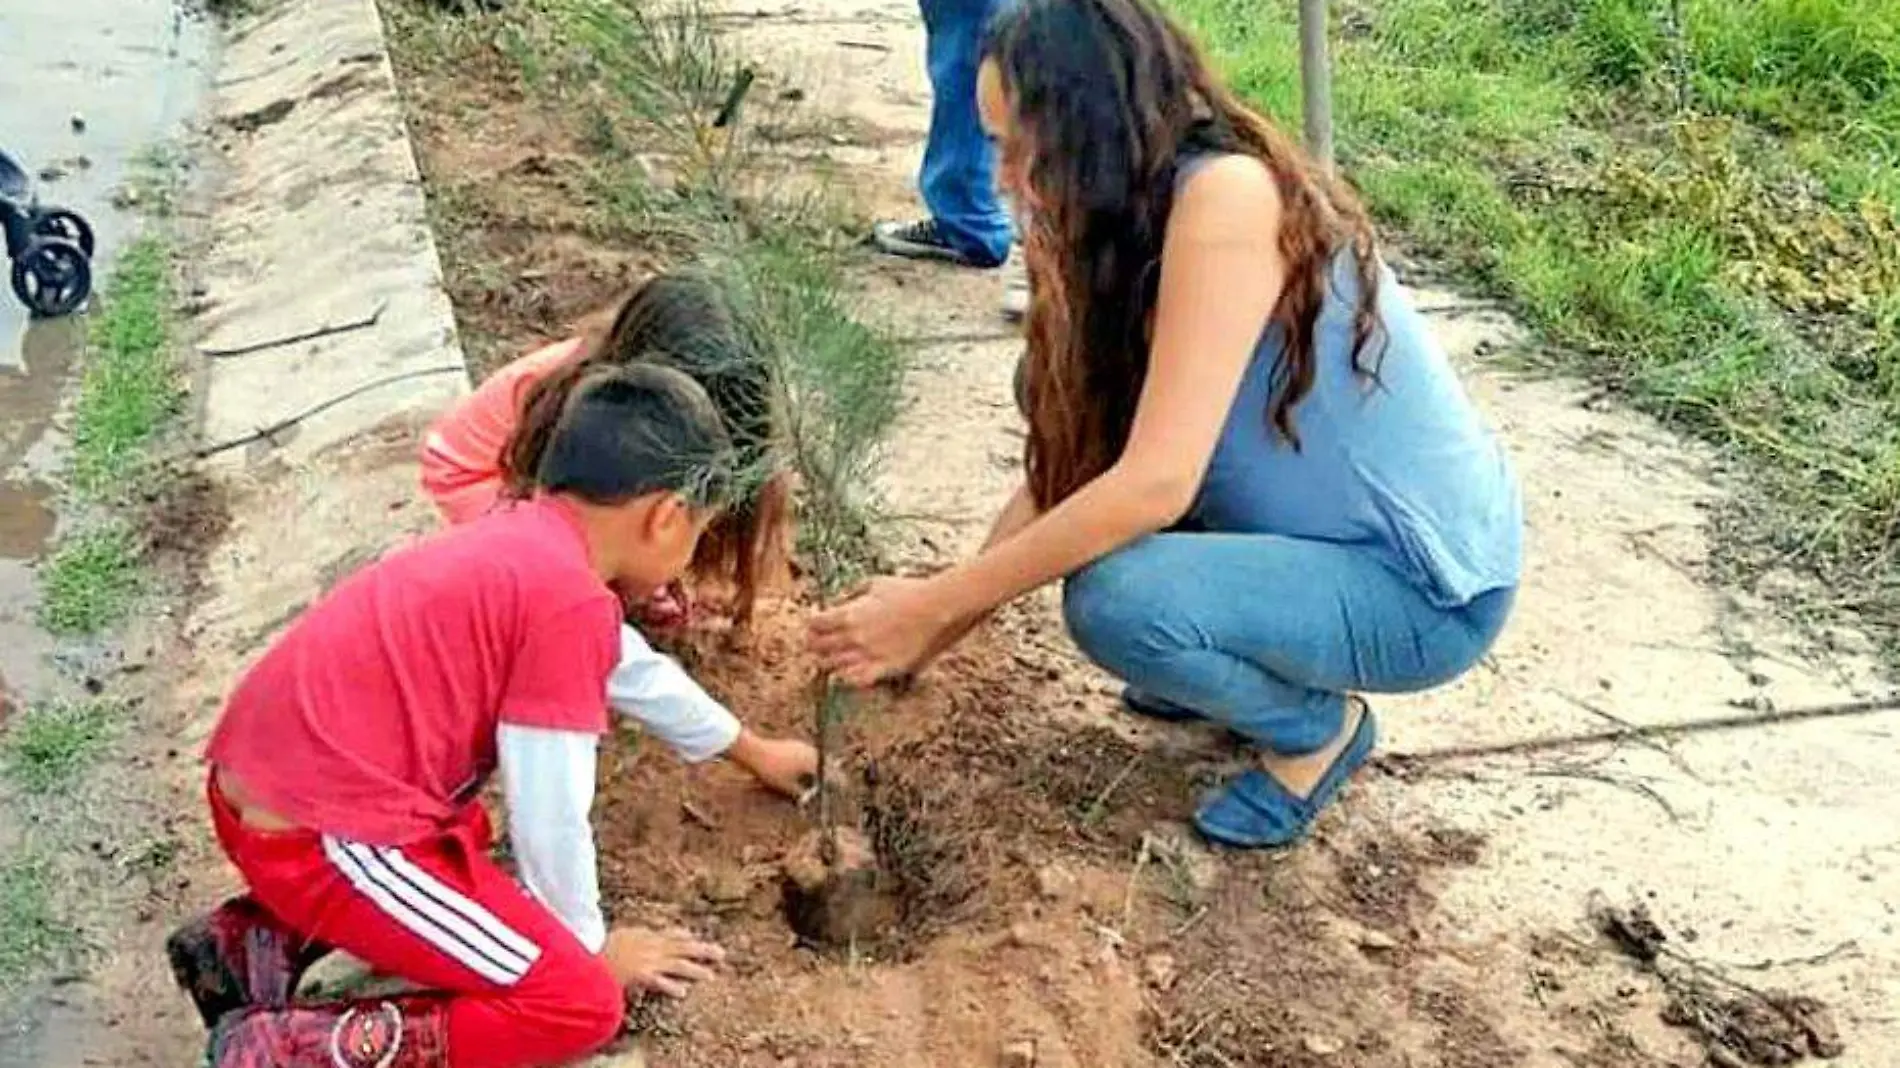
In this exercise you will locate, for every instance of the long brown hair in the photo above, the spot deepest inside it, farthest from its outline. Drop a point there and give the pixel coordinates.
(684, 321)
(1109, 96)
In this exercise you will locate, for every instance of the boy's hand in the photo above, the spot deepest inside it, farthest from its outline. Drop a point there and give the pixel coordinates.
(659, 962)
(666, 610)
(784, 764)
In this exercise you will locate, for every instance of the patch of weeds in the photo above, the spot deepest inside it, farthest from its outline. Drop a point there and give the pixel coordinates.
(91, 580)
(153, 856)
(130, 386)
(33, 939)
(1695, 200)
(48, 745)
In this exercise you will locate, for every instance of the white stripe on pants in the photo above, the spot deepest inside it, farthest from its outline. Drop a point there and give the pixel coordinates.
(431, 910)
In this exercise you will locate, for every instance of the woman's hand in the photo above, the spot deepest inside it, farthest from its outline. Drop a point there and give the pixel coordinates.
(887, 631)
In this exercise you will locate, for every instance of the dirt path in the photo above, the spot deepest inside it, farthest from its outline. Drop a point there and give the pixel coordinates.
(1765, 844)
(1049, 907)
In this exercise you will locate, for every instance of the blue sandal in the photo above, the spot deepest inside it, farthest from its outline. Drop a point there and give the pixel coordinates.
(1256, 812)
(1157, 708)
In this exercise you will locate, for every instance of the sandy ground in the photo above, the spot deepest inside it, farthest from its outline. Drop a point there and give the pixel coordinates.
(1771, 844)
(1051, 909)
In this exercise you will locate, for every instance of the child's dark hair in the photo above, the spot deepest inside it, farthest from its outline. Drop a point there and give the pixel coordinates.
(625, 432)
(687, 323)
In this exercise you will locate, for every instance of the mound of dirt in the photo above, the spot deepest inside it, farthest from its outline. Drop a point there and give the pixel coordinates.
(1020, 889)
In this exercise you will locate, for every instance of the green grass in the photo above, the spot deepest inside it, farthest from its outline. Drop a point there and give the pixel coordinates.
(131, 384)
(129, 391)
(32, 937)
(47, 746)
(91, 579)
(1699, 213)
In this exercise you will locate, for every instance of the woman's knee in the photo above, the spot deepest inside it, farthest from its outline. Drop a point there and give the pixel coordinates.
(1115, 609)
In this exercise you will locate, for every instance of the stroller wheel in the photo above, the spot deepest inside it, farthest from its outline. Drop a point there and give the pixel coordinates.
(53, 278)
(62, 222)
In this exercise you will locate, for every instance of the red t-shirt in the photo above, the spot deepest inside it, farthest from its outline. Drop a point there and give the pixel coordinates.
(373, 717)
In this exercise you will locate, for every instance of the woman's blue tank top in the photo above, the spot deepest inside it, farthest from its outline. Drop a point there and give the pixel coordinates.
(1403, 464)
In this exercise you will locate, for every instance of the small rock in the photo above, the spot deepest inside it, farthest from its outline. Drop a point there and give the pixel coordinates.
(724, 886)
(1025, 936)
(1160, 971)
(1019, 1054)
(1054, 882)
(1322, 1045)
(51, 173)
(126, 198)
(1377, 942)
(79, 122)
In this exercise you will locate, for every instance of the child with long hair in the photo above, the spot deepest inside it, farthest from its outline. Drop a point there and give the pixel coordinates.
(1248, 460)
(346, 768)
(487, 448)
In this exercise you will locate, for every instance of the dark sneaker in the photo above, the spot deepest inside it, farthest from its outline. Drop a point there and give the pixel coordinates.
(920, 240)
(395, 1033)
(238, 956)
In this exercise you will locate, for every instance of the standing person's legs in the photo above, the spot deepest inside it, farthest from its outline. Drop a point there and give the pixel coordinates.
(967, 221)
(1268, 635)
(508, 985)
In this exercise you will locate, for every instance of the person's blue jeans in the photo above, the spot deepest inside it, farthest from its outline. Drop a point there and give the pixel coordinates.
(1266, 634)
(959, 173)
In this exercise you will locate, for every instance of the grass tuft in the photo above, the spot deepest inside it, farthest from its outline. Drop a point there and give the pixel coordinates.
(32, 936)
(91, 580)
(129, 391)
(49, 745)
(130, 386)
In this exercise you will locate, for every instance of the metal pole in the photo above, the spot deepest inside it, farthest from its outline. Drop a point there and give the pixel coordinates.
(1316, 82)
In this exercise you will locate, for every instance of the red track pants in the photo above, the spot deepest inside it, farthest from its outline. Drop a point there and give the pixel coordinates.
(440, 914)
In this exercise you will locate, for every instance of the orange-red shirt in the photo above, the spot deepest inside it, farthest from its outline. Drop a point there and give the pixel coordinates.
(374, 717)
(461, 453)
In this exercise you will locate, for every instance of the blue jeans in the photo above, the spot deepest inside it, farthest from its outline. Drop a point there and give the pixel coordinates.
(959, 173)
(1266, 634)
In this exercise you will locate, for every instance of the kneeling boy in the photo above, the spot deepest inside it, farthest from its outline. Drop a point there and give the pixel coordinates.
(345, 770)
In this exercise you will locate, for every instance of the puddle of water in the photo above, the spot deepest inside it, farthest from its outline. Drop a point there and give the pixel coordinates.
(90, 87)
(26, 519)
(87, 89)
(30, 388)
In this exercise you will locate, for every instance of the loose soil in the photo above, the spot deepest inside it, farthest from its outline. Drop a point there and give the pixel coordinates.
(1042, 890)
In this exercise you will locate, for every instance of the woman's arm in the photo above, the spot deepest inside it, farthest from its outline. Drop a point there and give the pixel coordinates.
(1221, 275)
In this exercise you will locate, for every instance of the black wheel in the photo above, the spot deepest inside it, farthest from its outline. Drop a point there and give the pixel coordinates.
(61, 222)
(53, 279)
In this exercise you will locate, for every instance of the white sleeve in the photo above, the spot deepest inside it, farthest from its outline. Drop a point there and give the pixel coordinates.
(652, 688)
(548, 779)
